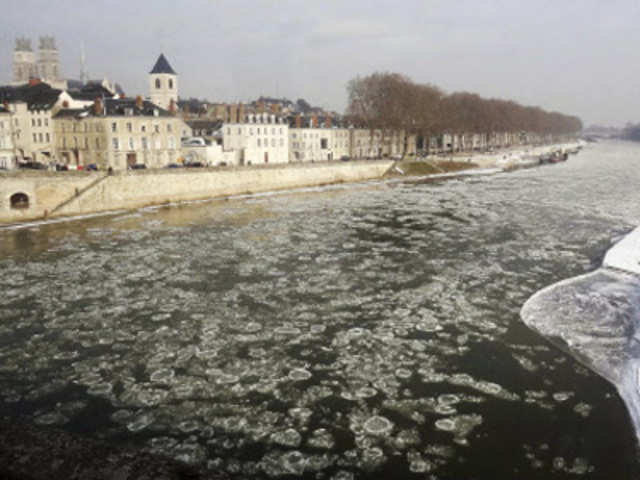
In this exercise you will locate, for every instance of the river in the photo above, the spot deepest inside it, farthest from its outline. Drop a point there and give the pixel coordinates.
(355, 331)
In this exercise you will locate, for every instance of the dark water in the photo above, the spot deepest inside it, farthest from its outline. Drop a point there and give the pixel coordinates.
(367, 331)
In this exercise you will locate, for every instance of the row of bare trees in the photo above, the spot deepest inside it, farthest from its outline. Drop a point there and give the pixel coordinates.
(390, 101)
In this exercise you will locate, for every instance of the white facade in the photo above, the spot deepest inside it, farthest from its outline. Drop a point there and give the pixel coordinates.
(264, 138)
(32, 132)
(7, 152)
(163, 88)
(318, 144)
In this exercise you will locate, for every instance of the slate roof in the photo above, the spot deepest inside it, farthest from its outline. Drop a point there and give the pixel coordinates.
(117, 107)
(162, 66)
(37, 97)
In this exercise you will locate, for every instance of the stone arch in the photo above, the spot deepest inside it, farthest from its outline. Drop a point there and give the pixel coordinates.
(19, 200)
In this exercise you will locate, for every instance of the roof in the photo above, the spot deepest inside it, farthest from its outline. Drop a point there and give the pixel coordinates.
(204, 123)
(117, 107)
(162, 66)
(37, 97)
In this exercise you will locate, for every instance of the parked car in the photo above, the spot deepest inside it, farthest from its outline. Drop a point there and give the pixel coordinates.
(33, 165)
(137, 166)
(194, 164)
(92, 167)
(174, 165)
(61, 168)
(345, 158)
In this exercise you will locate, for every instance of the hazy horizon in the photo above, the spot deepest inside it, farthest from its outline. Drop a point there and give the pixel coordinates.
(575, 57)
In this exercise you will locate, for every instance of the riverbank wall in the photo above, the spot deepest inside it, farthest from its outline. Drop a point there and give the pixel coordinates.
(33, 195)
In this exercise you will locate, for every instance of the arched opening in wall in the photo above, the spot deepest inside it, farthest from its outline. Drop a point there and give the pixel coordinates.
(157, 83)
(19, 200)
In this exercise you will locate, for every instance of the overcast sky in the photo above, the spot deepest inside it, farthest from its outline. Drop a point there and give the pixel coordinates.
(575, 56)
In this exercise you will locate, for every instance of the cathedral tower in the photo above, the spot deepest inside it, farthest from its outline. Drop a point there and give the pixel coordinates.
(24, 61)
(163, 84)
(49, 61)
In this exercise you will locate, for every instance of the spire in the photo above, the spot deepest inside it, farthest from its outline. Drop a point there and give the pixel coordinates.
(84, 75)
(162, 66)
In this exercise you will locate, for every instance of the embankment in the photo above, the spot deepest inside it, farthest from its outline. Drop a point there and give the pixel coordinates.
(35, 195)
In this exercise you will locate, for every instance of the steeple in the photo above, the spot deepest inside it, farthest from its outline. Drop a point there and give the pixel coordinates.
(163, 83)
(162, 66)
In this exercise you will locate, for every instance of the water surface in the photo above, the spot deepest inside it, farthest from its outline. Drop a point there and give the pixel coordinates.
(365, 331)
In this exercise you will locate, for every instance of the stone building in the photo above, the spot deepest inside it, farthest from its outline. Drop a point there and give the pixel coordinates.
(163, 84)
(262, 138)
(32, 106)
(317, 138)
(7, 150)
(119, 133)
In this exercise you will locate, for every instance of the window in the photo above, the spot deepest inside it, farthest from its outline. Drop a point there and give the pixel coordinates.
(35, 138)
(293, 135)
(258, 130)
(156, 128)
(64, 142)
(86, 127)
(97, 143)
(168, 127)
(47, 137)
(280, 130)
(33, 122)
(132, 143)
(86, 143)
(143, 128)
(73, 127)
(158, 143)
(282, 142)
(145, 145)
(39, 122)
(115, 142)
(273, 142)
(170, 83)
(228, 131)
(114, 127)
(157, 83)
(251, 131)
(239, 131)
(273, 131)
(46, 122)
(259, 143)
(129, 127)
(75, 142)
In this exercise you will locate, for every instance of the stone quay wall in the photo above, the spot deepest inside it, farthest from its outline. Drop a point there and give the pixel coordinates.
(57, 194)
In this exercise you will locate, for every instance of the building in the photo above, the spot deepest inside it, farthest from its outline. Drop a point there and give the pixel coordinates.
(7, 149)
(118, 133)
(45, 67)
(317, 138)
(32, 106)
(262, 138)
(163, 84)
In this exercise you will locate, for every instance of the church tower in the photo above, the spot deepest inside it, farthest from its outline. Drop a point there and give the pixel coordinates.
(49, 61)
(24, 62)
(163, 84)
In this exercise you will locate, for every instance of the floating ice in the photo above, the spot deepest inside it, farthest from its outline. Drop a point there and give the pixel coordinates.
(299, 374)
(287, 438)
(378, 426)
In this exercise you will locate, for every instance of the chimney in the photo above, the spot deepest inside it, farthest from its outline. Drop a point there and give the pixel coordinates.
(65, 104)
(241, 113)
(298, 121)
(139, 102)
(327, 121)
(261, 106)
(275, 108)
(233, 114)
(97, 106)
(33, 82)
(172, 107)
(314, 121)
